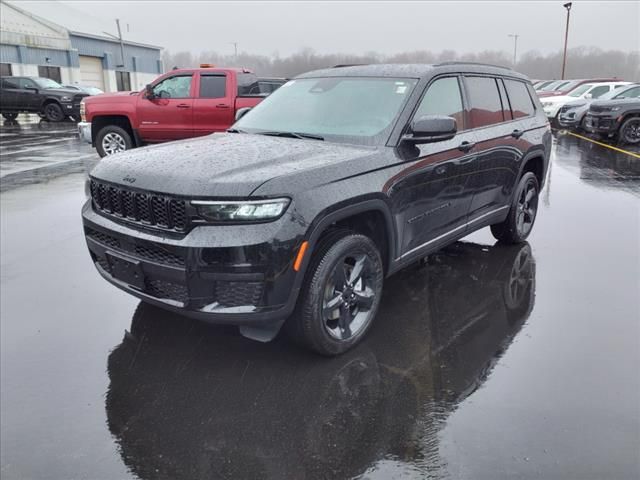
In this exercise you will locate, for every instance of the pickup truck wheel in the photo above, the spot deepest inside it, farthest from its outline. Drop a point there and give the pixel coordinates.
(10, 116)
(522, 214)
(112, 139)
(630, 131)
(340, 294)
(53, 112)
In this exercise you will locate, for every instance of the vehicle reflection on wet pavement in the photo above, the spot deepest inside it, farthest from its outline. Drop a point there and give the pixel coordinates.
(485, 362)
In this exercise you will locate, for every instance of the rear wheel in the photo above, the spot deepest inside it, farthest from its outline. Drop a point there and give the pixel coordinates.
(112, 139)
(522, 214)
(10, 116)
(630, 131)
(340, 294)
(53, 112)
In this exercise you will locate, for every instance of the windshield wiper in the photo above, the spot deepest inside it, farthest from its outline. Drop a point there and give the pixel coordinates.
(292, 135)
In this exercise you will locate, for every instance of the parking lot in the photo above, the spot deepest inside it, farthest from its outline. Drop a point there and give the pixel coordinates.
(486, 362)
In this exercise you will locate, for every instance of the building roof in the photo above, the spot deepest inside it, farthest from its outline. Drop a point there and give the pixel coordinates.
(76, 22)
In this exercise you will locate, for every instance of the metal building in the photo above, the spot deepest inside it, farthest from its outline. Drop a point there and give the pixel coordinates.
(73, 50)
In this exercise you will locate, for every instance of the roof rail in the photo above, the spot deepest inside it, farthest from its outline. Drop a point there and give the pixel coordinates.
(349, 65)
(472, 63)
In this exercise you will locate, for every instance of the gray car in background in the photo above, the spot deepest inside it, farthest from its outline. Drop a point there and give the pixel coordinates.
(572, 115)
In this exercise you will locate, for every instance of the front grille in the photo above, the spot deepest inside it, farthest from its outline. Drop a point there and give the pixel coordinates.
(169, 290)
(598, 108)
(237, 294)
(158, 211)
(147, 250)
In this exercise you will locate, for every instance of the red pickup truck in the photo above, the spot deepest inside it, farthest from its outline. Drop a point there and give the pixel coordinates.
(183, 103)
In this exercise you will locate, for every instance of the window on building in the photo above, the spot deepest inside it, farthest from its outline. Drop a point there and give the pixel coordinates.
(521, 103)
(5, 70)
(174, 87)
(484, 99)
(443, 98)
(212, 86)
(123, 81)
(47, 71)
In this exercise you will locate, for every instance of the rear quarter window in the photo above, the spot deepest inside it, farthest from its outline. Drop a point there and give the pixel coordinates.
(521, 103)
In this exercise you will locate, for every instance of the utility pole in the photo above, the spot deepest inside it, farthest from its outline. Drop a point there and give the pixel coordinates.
(235, 49)
(121, 43)
(515, 47)
(566, 37)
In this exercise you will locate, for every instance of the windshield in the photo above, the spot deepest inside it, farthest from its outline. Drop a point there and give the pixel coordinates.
(580, 90)
(357, 110)
(631, 92)
(47, 83)
(552, 86)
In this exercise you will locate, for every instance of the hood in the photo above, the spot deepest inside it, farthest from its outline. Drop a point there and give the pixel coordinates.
(618, 102)
(115, 97)
(558, 99)
(63, 91)
(227, 164)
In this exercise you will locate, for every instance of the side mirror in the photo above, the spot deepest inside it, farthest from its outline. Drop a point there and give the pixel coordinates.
(242, 112)
(431, 128)
(149, 92)
(588, 96)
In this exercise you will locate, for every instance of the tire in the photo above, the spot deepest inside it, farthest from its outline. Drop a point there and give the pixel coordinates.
(112, 139)
(630, 131)
(522, 214)
(10, 116)
(53, 112)
(332, 279)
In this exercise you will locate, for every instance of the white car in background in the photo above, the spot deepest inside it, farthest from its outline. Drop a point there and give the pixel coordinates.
(552, 105)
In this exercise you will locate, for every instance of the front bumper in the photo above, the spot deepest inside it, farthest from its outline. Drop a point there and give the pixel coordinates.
(569, 119)
(84, 131)
(551, 111)
(603, 124)
(209, 274)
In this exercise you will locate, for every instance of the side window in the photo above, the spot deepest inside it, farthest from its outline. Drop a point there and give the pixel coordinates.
(9, 83)
(27, 83)
(506, 105)
(599, 91)
(213, 86)
(484, 100)
(174, 87)
(521, 103)
(443, 97)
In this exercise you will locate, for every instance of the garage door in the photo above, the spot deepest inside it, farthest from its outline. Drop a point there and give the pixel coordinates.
(91, 72)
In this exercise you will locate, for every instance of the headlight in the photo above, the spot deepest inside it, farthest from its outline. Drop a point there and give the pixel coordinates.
(615, 109)
(241, 211)
(66, 99)
(83, 111)
(547, 104)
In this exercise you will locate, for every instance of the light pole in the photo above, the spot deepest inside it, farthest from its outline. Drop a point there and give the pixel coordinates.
(515, 46)
(235, 49)
(566, 37)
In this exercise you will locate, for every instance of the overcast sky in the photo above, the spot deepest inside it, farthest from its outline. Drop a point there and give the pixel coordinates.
(358, 27)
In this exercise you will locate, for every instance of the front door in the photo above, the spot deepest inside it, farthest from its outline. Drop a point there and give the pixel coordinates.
(213, 108)
(431, 195)
(169, 114)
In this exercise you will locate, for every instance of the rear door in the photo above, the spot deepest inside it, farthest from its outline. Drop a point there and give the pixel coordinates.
(9, 95)
(169, 115)
(432, 195)
(499, 145)
(213, 105)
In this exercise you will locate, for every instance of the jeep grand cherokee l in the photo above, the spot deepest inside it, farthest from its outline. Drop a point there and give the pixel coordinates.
(337, 180)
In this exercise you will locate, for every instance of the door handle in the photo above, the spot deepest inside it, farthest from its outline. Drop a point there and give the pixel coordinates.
(222, 105)
(184, 105)
(517, 133)
(466, 146)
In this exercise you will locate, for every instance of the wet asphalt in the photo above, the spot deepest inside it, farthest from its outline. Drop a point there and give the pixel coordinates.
(486, 362)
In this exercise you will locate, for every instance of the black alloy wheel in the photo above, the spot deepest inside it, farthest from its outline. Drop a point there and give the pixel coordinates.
(630, 131)
(53, 112)
(522, 213)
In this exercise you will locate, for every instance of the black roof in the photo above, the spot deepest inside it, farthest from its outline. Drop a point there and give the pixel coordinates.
(411, 70)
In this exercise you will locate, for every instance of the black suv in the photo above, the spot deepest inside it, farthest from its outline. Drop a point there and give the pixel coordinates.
(340, 178)
(618, 117)
(39, 95)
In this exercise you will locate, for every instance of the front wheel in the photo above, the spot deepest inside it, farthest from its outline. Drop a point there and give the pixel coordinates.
(522, 214)
(112, 139)
(10, 116)
(340, 294)
(53, 112)
(630, 131)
